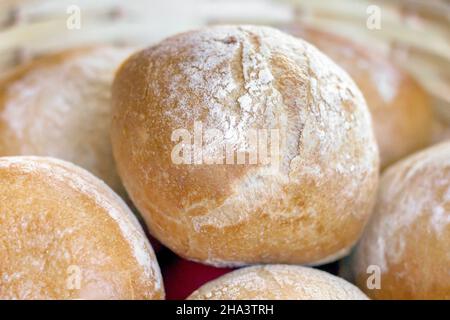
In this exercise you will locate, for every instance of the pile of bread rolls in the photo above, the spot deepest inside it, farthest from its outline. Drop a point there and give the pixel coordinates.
(115, 112)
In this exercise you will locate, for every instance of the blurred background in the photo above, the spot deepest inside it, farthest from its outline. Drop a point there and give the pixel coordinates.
(414, 34)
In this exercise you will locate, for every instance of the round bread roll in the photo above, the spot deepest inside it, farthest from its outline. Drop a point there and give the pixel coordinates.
(307, 204)
(400, 108)
(407, 242)
(64, 234)
(59, 106)
(278, 282)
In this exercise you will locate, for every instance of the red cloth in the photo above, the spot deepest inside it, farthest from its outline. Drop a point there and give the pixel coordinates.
(182, 277)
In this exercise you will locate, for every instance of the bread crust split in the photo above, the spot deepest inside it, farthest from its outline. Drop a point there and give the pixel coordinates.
(311, 208)
(401, 110)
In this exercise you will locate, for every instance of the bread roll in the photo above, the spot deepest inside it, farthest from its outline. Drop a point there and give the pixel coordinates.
(407, 242)
(59, 106)
(278, 282)
(64, 234)
(307, 205)
(401, 109)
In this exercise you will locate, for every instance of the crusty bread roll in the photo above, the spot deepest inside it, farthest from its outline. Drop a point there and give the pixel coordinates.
(59, 106)
(278, 282)
(400, 108)
(64, 234)
(307, 205)
(407, 241)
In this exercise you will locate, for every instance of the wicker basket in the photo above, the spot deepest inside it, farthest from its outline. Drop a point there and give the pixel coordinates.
(414, 33)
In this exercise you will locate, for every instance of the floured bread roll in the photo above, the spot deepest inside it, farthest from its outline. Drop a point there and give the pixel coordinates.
(278, 282)
(407, 242)
(59, 106)
(400, 108)
(64, 234)
(307, 202)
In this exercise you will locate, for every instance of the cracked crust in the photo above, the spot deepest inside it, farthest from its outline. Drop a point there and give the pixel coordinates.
(306, 210)
(278, 282)
(401, 109)
(64, 234)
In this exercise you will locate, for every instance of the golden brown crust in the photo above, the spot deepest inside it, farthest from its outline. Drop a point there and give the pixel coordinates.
(59, 105)
(408, 236)
(278, 282)
(234, 79)
(65, 235)
(400, 108)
